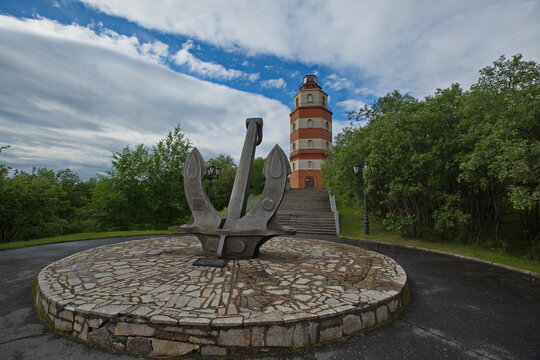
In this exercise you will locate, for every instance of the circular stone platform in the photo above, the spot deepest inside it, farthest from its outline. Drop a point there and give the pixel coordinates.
(145, 296)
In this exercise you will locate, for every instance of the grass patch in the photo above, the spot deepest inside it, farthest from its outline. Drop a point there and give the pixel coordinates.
(352, 226)
(81, 236)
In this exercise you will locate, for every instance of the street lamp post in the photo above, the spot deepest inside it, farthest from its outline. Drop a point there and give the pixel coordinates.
(356, 169)
(212, 172)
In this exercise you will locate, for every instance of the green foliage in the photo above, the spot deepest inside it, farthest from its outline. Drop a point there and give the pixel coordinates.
(454, 165)
(352, 227)
(40, 203)
(145, 188)
(220, 188)
(257, 177)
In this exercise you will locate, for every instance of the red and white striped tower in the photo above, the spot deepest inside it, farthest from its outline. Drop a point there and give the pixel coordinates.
(311, 134)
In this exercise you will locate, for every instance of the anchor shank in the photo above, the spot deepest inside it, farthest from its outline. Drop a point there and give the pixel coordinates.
(242, 181)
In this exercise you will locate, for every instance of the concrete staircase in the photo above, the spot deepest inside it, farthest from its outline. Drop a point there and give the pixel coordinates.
(307, 210)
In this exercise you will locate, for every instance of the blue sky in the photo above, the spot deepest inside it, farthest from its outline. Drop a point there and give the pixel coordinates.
(80, 79)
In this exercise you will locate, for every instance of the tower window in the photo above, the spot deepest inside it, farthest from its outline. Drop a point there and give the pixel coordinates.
(310, 165)
(310, 144)
(324, 100)
(327, 145)
(327, 126)
(294, 146)
(310, 98)
(310, 123)
(293, 126)
(293, 166)
(297, 102)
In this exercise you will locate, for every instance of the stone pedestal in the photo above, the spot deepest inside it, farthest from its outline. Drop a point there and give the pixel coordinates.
(145, 296)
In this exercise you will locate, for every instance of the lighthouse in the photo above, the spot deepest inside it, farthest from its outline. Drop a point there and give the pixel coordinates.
(310, 134)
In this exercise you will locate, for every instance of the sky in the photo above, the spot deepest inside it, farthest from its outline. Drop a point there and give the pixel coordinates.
(82, 79)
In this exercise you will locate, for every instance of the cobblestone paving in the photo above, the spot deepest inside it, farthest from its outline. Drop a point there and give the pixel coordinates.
(153, 280)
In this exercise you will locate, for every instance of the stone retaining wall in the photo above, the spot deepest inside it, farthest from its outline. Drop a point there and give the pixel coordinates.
(114, 328)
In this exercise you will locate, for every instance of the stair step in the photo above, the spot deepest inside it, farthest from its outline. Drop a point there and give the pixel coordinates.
(307, 210)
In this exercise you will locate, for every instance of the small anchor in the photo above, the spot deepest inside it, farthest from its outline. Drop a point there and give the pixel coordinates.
(238, 235)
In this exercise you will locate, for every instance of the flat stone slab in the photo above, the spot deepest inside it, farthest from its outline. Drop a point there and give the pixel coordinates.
(147, 296)
(211, 262)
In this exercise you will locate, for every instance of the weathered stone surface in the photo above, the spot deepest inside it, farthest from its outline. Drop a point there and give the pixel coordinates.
(139, 345)
(351, 324)
(228, 321)
(235, 337)
(161, 319)
(330, 334)
(279, 336)
(213, 351)
(94, 323)
(301, 335)
(101, 337)
(255, 306)
(171, 335)
(127, 329)
(118, 346)
(314, 332)
(83, 335)
(77, 326)
(53, 310)
(194, 321)
(257, 336)
(330, 322)
(201, 340)
(368, 319)
(393, 305)
(382, 313)
(66, 315)
(171, 348)
(62, 325)
(111, 310)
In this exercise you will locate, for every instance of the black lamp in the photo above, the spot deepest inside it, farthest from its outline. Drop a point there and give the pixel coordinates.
(356, 169)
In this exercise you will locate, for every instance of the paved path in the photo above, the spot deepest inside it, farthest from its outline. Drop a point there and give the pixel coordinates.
(460, 309)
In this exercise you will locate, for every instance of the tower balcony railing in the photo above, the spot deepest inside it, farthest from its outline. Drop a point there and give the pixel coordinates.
(312, 104)
(309, 84)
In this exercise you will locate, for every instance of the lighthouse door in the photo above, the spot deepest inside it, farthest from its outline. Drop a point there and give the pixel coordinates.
(310, 182)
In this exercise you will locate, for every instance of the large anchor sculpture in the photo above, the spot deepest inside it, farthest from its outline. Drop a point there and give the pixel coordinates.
(238, 235)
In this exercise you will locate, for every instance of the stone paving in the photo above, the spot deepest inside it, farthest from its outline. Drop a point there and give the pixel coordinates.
(146, 296)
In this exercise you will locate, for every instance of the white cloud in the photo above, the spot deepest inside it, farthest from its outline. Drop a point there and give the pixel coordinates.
(413, 46)
(274, 83)
(68, 100)
(94, 35)
(252, 77)
(351, 104)
(336, 83)
(208, 69)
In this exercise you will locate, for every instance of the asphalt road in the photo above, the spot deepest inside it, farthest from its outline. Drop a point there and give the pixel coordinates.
(459, 309)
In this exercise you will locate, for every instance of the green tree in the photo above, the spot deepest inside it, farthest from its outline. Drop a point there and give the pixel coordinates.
(455, 165)
(501, 132)
(257, 177)
(221, 188)
(29, 205)
(144, 189)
